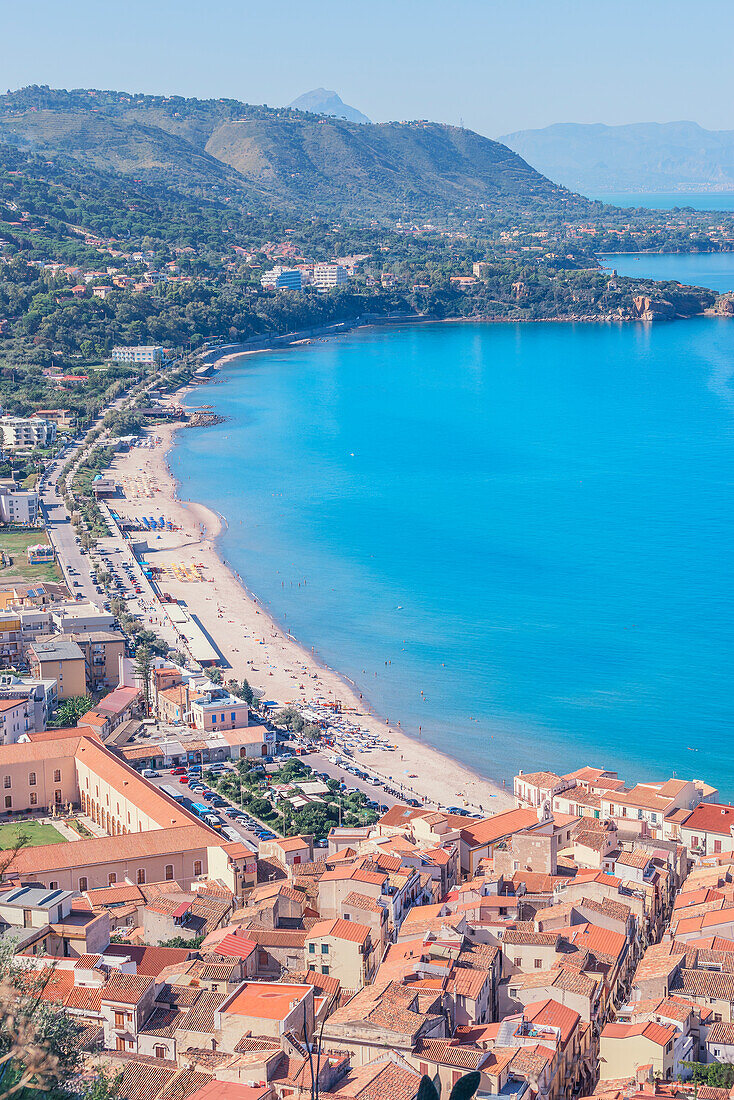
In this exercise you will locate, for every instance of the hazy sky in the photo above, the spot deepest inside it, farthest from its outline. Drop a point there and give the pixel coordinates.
(499, 65)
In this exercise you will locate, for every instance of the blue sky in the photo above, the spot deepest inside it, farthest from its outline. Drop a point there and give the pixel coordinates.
(498, 65)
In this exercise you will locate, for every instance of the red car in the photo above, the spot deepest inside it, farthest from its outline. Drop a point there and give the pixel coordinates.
(183, 778)
(178, 771)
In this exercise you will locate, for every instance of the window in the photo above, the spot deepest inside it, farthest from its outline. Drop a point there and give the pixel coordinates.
(538, 964)
(517, 962)
(159, 1052)
(6, 782)
(233, 716)
(57, 775)
(717, 845)
(312, 949)
(214, 718)
(141, 876)
(53, 885)
(222, 717)
(512, 992)
(197, 866)
(31, 779)
(119, 1019)
(324, 970)
(27, 918)
(111, 878)
(8, 802)
(82, 883)
(169, 872)
(324, 949)
(34, 798)
(57, 797)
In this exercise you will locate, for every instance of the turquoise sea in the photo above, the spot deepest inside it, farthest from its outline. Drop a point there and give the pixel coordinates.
(518, 537)
(712, 200)
(711, 269)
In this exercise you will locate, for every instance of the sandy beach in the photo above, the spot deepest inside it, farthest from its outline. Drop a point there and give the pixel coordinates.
(257, 647)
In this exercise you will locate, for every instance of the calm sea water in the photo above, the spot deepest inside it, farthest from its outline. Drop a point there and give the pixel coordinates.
(713, 200)
(518, 537)
(711, 269)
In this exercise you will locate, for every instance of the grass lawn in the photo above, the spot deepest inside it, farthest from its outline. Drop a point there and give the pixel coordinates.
(15, 544)
(36, 831)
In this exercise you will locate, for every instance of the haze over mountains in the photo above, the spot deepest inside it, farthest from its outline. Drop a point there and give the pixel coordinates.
(280, 156)
(323, 102)
(644, 157)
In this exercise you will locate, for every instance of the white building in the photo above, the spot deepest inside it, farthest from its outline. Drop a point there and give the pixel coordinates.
(282, 278)
(26, 431)
(326, 276)
(18, 506)
(145, 354)
(26, 704)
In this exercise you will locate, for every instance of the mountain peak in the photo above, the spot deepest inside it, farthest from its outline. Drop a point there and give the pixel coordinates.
(321, 101)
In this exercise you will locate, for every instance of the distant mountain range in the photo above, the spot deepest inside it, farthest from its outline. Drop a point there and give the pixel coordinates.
(646, 156)
(280, 157)
(322, 102)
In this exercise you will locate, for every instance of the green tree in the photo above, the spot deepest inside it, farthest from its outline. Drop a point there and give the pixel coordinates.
(143, 667)
(70, 711)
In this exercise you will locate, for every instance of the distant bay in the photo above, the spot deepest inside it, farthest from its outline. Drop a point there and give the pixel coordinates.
(518, 537)
(713, 200)
(711, 269)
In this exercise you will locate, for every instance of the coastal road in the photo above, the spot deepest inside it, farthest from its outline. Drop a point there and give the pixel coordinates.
(73, 563)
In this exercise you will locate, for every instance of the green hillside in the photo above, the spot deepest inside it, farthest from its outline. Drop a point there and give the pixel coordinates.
(281, 156)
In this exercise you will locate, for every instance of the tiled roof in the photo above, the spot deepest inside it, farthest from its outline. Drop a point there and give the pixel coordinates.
(126, 988)
(660, 1034)
(276, 937)
(362, 901)
(545, 780)
(468, 982)
(85, 999)
(711, 817)
(637, 858)
(340, 929)
(705, 983)
(547, 939)
(200, 1017)
(552, 1013)
(448, 1052)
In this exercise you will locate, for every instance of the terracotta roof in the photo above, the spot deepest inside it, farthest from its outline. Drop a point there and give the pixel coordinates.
(112, 849)
(126, 988)
(362, 901)
(340, 929)
(721, 1033)
(553, 1014)
(546, 939)
(494, 828)
(468, 982)
(660, 1034)
(545, 780)
(711, 817)
(200, 1017)
(449, 1052)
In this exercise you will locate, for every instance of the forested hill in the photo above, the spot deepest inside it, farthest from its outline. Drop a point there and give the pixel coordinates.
(281, 156)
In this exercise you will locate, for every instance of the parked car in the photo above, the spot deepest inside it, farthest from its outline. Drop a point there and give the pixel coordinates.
(183, 779)
(150, 773)
(178, 771)
(456, 810)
